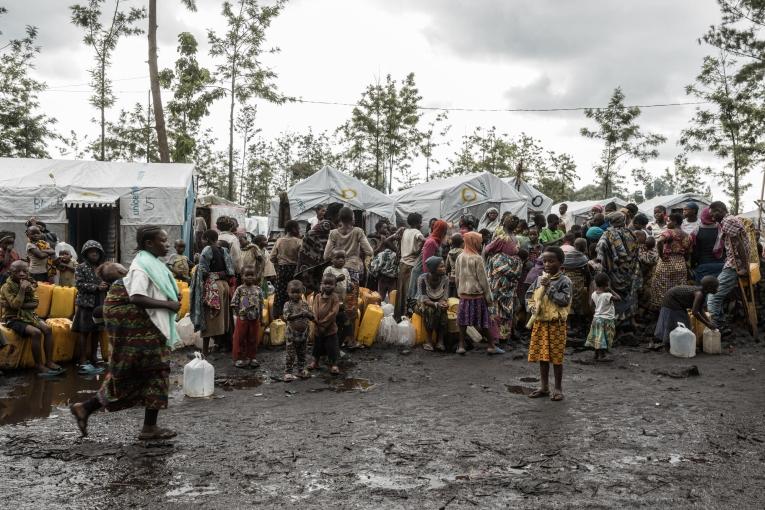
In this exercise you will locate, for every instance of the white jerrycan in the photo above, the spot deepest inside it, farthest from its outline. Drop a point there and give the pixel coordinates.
(198, 377)
(682, 342)
(712, 341)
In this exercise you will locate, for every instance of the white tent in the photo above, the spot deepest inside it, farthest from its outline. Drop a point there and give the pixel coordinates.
(212, 207)
(330, 185)
(538, 202)
(106, 201)
(672, 202)
(580, 211)
(450, 198)
(257, 225)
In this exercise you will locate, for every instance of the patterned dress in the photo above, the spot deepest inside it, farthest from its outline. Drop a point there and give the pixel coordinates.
(671, 269)
(138, 367)
(618, 253)
(503, 272)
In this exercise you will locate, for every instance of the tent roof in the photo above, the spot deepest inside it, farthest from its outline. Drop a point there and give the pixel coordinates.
(581, 207)
(18, 173)
(331, 185)
(537, 200)
(212, 200)
(671, 200)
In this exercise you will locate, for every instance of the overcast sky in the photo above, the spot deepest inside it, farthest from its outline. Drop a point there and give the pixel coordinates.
(465, 53)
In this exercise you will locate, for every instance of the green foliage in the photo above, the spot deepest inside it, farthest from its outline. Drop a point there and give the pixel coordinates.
(738, 34)
(240, 69)
(24, 130)
(622, 140)
(131, 137)
(103, 40)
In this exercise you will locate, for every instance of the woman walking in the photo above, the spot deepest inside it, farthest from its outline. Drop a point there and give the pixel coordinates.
(504, 269)
(674, 247)
(139, 312)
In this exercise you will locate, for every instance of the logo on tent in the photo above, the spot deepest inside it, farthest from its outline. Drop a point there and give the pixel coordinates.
(468, 195)
(348, 193)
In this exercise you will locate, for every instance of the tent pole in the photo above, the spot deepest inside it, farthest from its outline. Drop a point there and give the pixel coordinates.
(760, 204)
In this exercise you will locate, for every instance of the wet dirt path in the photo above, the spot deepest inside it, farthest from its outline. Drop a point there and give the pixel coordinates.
(417, 431)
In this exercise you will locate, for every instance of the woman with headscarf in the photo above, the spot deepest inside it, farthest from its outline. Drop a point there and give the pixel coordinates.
(707, 257)
(432, 301)
(430, 248)
(489, 220)
(504, 269)
(617, 252)
(474, 292)
(673, 247)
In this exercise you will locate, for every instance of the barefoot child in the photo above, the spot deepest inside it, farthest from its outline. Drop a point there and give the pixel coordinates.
(179, 263)
(325, 309)
(247, 306)
(91, 291)
(549, 300)
(451, 261)
(296, 314)
(603, 329)
(343, 284)
(18, 303)
(65, 268)
(432, 296)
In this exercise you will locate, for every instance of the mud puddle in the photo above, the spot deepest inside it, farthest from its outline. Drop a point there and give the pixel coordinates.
(27, 397)
(344, 385)
(519, 390)
(238, 383)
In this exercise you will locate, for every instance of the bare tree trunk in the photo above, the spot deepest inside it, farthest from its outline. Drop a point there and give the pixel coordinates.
(103, 108)
(231, 142)
(159, 114)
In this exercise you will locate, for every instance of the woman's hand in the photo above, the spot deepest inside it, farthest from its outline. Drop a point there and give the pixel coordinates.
(443, 305)
(173, 306)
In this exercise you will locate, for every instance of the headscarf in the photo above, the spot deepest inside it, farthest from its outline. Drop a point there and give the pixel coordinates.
(707, 219)
(490, 225)
(617, 220)
(473, 242)
(598, 209)
(439, 230)
(594, 234)
(432, 263)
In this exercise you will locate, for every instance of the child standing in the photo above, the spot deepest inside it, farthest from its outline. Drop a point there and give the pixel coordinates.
(549, 301)
(603, 329)
(296, 314)
(451, 261)
(247, 305)
(18, 303)
(179, 263)
(65, 268)
(325, 308)
(474, 292)
(91, 290)
(39, 253)
(385, 268)
(346, 315)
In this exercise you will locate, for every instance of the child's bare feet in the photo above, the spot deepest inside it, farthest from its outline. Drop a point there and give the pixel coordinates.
(304, 374)
(557, 396)
(313, 366)
(539, 393)
(334, 370)
(289, 378)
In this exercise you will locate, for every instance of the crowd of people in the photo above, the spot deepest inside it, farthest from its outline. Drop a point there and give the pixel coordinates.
(514, 281)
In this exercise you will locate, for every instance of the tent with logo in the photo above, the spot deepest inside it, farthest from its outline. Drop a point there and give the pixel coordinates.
(538, 202)
(673, 203)
(101, 200)
(450, 198)
(330, 185)
(580, 211)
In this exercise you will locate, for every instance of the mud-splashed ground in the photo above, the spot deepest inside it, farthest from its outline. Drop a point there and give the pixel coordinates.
(418, 431)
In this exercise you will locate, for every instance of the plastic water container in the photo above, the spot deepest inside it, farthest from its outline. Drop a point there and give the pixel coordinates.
(454, 304)
(63, 339)
(44, 297)
(62, 303)
(278, 332)
(421, 334)
(406, 333)
(682, 342)
(387, 309)
(198, 377)
(388, 331)
(370, 323)
(712, 343)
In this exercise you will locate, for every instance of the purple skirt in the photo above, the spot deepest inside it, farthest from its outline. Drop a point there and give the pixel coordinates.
(473, 312)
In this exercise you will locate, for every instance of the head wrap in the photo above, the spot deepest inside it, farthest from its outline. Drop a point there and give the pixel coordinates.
(473, 242)
(486, 223)
(439, 230)
(594, 233)
(692, 205)
(617, 219)
(706, 216)
(432, 263)
(598, 208)
(708, 220)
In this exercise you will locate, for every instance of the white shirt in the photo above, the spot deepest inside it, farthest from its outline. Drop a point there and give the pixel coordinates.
(656, 230)
(137, 282)
(689, 226)
(604, 305)
(341, 289)
(234, 249)
(411, 246)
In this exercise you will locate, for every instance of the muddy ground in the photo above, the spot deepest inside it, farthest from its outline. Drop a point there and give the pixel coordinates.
(420, 430)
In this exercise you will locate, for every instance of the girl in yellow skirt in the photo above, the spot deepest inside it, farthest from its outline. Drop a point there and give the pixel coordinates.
(549, 301)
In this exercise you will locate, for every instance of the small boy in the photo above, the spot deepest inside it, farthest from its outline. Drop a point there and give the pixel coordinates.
(549, 302)
(269, 271)
(296, 314)
(552, 234)
(179, 263)
(457, 244)
(325, 308)
(65, 268)
(247, 306)
(342, 280)
(18, 303)
(40, 255)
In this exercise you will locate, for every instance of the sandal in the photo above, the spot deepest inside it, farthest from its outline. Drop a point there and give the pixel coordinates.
(461, 351)
(82, 423)
(334, 370)
(304, 374)
(427, 347)
(289, 378)
(241, 364)
(254, 363)
(539, 393)
(89, 369)
(50, 373)
(556, 396)
(494, 351)
(157, 435)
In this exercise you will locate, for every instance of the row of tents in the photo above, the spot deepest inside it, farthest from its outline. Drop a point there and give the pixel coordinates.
(109, 201)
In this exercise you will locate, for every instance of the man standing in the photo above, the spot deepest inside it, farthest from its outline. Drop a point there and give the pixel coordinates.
(225, 226)
(321, 211)
(690, 217)
(736, 261)
(567, 221)
(659, 225)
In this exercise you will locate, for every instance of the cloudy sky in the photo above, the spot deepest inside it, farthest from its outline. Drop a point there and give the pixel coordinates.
(465, 53)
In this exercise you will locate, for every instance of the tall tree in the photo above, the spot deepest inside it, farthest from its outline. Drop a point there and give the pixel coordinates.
(433, 137)
(622, 140)
(208, 162)
(240, 69)
(258, 186)
(24, 130)
(103, 40)
(193, 94)
(738, 34)
(730, 127)
(131, 137)
(245, 125)
(559, 183)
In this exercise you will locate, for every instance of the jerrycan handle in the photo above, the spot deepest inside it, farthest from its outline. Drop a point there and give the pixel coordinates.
(198, 355)
(683, 326)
